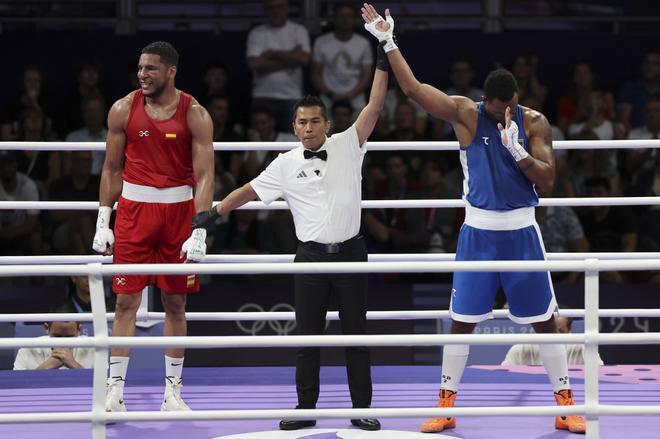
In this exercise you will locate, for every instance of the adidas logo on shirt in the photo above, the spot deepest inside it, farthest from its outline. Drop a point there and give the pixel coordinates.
(301, 175)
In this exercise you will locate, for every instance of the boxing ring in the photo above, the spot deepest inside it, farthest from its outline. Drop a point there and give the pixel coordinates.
(516, 401)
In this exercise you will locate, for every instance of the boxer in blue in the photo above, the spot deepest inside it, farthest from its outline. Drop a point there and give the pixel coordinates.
(506, 151)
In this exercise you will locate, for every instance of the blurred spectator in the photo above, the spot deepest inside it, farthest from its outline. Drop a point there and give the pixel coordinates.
(651, 127)
(78, 296)
(228, 164)
(263, 129)
(342, 61)
(524, 69)
(31, 96)
(586, 163)
(73, 230)
(608, 229)
(56, 358)
(528, 354)
(382, 128)
(20, 232)
(461, 76)
(404, 123)
(404, 131)
(89, 76)
(440, 222)
(392, 100)
(398, 230)
(219, 108)
(595, 120)
(216, 82)
(649, 228)
(242, 234)
(276, 53)
(639, 165)
(93, 112)
(224, 181)
(634, 94)
(41, 166)
(562, 232)
(341, 115)
(575, 106)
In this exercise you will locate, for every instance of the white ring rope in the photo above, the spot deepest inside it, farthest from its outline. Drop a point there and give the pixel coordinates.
(264, 341)
(280, 258)
(366, 204)
(331, 267)
(235, 316)
(214, 415)
(372, 146)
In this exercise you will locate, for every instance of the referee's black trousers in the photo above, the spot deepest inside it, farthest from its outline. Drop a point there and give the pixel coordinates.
(312, 295)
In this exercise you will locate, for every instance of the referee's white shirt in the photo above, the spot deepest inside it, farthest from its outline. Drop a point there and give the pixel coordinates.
(324, 196)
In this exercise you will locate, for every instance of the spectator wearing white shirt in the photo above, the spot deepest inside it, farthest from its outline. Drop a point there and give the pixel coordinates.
(596, 122)
(638, 170)
(20, 232)
(263, 129)
(528, 354)
(56, 358)
(651, 127)
(276, 53)
(93, 111)
(342, 61)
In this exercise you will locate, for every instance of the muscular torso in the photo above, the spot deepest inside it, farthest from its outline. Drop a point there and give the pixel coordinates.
(159, 142)
(161, 112)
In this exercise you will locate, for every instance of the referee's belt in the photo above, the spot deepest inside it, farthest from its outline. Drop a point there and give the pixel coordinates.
(335, 247)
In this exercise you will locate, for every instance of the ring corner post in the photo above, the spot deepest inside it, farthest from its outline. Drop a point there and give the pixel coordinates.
(591, 329)
(101, 347)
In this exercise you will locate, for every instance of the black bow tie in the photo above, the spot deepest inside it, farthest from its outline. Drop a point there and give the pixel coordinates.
(323, 155)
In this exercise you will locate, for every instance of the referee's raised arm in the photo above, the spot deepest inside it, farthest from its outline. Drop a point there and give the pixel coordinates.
(366, 120)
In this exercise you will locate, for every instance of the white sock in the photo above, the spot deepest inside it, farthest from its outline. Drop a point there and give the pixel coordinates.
(173, 366)
(118, 367)
(454, 358)
(554, 360)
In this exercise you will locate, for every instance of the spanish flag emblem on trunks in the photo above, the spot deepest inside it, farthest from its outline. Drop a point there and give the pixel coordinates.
(170, 135)
(190, 281)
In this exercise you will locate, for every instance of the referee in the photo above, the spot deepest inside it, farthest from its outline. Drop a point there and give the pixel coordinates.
(321, 181)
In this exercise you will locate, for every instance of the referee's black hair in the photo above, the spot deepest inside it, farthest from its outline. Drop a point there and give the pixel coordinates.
(500, 84)
(168, 54)
(310, 101)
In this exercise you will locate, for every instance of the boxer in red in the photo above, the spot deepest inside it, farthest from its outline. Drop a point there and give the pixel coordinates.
(159, 147)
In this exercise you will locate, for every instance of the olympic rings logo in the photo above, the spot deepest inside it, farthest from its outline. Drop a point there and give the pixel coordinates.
(280, 327)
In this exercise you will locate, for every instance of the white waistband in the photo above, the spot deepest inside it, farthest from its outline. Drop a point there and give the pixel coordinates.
(499, 219)
(148, 194)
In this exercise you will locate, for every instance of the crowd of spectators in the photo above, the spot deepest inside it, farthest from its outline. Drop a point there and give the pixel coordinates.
(338, 65)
